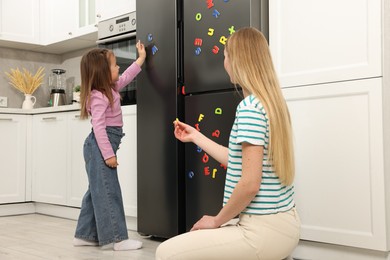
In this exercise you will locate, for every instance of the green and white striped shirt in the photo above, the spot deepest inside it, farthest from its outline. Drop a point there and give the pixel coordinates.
(251, 125)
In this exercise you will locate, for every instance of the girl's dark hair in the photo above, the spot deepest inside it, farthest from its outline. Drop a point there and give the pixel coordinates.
(95, 75)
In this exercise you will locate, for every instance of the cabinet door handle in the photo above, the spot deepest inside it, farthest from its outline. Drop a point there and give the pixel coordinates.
(5, 119)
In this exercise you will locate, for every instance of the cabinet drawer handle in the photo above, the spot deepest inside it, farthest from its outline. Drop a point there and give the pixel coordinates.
(49, 118)
(5, 119)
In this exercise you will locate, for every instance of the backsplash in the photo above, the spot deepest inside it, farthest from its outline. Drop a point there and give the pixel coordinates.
(13, 58)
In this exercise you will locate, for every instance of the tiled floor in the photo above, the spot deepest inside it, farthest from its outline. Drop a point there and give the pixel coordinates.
(37, 237)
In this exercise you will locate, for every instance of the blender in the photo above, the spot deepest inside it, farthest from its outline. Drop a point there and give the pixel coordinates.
(57, 81)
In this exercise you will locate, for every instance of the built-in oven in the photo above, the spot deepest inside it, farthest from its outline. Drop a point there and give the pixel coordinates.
(119, 35)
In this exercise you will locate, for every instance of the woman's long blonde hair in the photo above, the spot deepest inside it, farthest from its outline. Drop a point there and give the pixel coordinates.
(95, 74)
(253, 70)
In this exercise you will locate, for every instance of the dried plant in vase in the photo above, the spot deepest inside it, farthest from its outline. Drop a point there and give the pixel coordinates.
(26, 83)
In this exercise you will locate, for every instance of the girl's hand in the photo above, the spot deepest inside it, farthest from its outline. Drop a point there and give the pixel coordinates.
(206, 222)
(184, 132)
(141, 53)
(111, 162)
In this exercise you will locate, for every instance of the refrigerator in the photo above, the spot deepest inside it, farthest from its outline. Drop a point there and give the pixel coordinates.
(184, 78)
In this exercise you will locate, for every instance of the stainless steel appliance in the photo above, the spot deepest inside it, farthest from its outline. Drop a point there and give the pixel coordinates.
(184, 78)
(119, 35)
(57, 82)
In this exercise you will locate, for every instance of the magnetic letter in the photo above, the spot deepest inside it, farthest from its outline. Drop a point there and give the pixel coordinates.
(198, 51)
(200, 118)
(154, 49)
(206, 170)
(216, 133)
(210, 4)
(218, 111)
(214, 172)
(198, 16)
(223, 166)
(197, 127)
(150, 37)
(205, 158)
(231, 30)
(216, 14)
(198, 42)
(191, 174)
(198, 149)
(223, 40)
(211, 32)
(215, 50)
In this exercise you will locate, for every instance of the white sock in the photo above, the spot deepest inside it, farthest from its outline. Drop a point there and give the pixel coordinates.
(84, 242)
(127, 244)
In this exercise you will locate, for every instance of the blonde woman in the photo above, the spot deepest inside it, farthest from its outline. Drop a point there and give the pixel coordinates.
(260, 173)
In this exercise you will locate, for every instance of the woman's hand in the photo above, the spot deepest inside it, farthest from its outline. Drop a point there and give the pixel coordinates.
(184, 132)
(141, 53)
(111, 162)
(206, 222)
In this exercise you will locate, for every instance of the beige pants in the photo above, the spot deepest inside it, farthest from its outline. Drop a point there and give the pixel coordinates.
(253, 237)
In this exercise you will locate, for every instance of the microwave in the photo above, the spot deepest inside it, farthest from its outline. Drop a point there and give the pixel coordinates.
(119, 35)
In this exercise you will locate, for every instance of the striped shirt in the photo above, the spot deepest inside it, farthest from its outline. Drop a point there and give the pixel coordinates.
(251, 126)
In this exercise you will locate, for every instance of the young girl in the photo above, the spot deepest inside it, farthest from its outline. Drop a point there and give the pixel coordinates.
(102, 219)
(260, 169)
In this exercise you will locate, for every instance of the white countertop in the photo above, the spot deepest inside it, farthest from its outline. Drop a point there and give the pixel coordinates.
(65, 108)
(42, 110)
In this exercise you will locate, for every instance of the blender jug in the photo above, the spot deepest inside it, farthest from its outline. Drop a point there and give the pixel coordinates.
(57, 81)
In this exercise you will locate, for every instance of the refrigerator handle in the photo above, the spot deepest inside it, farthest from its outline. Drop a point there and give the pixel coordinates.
(180, 44)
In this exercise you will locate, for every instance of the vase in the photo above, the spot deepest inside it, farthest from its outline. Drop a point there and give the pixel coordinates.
(76, 97)
(29, 101)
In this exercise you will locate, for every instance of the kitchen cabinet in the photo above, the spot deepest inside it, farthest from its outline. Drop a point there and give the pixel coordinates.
(49, 158)
(340, 179)
(127, 158)
(19, 21)
(107, 10)
(59, 175)
(77, 178)
(13, 158)
(316, 42)
(64, 20)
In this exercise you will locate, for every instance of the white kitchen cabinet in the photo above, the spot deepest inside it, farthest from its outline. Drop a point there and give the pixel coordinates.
(49, 158)
(19, 21)
(13, 158)
(340, 181)
(127, 158)
(77, 179)
(109, 9)
(65, 20)
(325, 41)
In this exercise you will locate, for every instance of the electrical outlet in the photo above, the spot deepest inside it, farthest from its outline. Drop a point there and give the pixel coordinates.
(3, 102)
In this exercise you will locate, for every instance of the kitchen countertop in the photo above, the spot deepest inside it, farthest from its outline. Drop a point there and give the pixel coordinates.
(41, 110)
(46, 110)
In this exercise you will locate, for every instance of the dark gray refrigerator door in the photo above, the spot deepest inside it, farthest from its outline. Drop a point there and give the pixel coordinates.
(207, 25)
(213, 114)
(158, 181)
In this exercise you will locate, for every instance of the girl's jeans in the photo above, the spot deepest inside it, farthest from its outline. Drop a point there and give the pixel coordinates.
(102, 216)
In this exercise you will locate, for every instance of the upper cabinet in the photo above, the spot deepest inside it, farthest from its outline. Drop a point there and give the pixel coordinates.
(56, 26)
(67, 25)
(109, 9)
(325, 41)
(19, 22)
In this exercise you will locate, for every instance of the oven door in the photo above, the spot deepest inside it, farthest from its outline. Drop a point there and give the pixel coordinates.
(125, 51)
